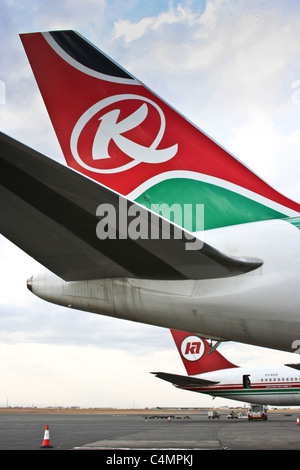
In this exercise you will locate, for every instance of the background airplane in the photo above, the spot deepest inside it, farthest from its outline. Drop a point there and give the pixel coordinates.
(125, 144)
(209, 372)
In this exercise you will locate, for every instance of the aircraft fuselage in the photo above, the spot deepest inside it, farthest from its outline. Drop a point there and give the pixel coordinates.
(261, 307)
(276, 386)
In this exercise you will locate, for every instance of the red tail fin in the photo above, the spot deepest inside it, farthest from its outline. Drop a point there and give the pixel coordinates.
(194, 352)
(116, 131)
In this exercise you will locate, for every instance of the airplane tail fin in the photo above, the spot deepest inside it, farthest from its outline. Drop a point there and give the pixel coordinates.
(196, 354)
(116, 131)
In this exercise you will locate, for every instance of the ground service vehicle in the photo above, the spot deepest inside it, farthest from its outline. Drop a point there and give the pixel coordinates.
(257, 412)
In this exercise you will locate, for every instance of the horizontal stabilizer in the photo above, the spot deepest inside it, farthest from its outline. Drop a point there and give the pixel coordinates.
(49, 211)
(294, 366)
(182, 381)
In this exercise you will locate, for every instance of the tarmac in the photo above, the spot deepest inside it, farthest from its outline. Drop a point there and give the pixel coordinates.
(169, 433)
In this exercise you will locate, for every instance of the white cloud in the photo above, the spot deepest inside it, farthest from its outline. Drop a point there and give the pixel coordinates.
(131, 31)
(257, 141)
(68, 14)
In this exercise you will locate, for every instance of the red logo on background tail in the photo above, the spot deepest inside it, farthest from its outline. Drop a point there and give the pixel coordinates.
(98, 142)
(192, 348)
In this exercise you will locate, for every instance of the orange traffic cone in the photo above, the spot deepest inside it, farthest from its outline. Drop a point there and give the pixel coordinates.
(46, 442)
(298, 422)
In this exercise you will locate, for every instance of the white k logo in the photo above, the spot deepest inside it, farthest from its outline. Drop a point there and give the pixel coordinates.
(109, 130)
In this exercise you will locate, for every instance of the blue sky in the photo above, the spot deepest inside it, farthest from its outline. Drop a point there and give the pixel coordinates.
(230, 66)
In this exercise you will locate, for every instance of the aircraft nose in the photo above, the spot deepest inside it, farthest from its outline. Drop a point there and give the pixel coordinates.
(29, 283)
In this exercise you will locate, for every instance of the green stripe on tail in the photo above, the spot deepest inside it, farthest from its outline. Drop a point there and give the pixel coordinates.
(295, 221)
(222, 207)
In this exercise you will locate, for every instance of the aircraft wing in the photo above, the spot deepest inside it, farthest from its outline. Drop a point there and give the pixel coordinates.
(182, 380)
(49, 211)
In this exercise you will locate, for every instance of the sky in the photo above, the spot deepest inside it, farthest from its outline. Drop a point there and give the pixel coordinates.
(230, 66)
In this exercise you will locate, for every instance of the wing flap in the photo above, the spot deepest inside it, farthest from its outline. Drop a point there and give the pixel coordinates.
(49, 211)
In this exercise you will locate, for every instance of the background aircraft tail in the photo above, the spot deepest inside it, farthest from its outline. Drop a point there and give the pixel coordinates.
(116, 131)
(195, 354)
